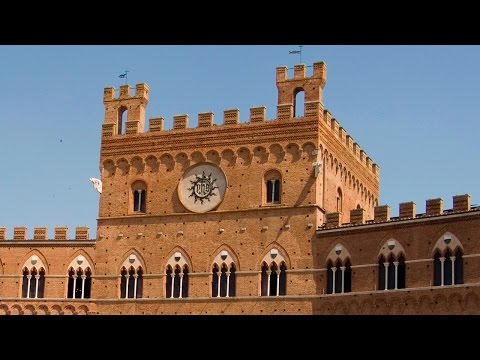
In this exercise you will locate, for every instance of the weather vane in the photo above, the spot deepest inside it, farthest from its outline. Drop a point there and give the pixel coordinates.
(124, 76)
(299, 52)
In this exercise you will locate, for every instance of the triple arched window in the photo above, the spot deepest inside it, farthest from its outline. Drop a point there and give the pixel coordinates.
(131, 283)
(391, 266)
(33, 283)
(339, 271)
(79, 279)
(131, 280)
(223, 275)
(448, 261)
(273, 276)
(339, 276)
(176, 281)
(79, 283)
(274, 279)
(391, 272)
(176, 276)
(448, 267)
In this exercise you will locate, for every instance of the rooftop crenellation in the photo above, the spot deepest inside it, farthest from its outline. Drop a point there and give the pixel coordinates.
(407, 211)
(41, 233)
(288, 88)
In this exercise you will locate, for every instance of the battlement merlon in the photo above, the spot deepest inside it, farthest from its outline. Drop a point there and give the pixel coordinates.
(134, 106)
(312, 86)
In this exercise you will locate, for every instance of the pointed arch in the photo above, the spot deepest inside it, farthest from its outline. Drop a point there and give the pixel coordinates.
(391, 246)
(135, 261)
(184, 257)
(339, 251)
(447, 260)
(391, 266)
(273, 276)
(339, 270)
(282, 254)
(131, 275)
(447, 240)
(33, 270)
(231, 256)
(224, 273)
(79, 273)
(40, 262)
(82, 263)
(177, 272)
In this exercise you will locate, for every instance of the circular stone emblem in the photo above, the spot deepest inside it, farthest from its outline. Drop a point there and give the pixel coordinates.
(202, 187)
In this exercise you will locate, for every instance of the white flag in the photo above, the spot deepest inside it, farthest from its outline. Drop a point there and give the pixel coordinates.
(97, 184)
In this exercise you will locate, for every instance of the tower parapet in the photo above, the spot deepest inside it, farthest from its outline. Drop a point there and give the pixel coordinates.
(115, 108)
(289, 88)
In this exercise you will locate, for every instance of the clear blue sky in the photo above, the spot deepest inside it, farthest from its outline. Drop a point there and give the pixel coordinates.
(413, 109)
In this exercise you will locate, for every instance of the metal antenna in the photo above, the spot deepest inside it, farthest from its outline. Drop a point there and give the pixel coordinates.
(293, 52)
(124, 76)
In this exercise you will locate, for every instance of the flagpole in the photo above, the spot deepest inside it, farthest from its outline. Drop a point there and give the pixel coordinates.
(299, 52)
(124, 75)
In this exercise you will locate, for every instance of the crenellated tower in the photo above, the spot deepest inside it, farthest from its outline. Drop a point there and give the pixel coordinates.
(116, 108)
(253, 185)
(289, 88)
